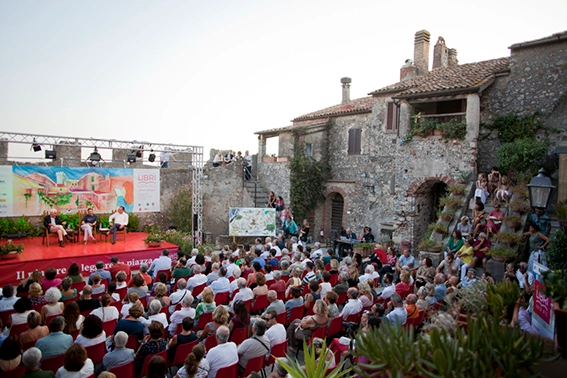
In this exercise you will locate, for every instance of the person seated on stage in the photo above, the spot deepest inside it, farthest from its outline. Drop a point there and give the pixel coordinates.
(347, 250)
(87, 224)
(53, 224)
(118, 221)
(367, 235)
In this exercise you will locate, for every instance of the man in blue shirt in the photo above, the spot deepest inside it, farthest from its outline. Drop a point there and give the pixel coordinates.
(405, 259)
(273, 261)
(440, 288)
(258, 259)
(540, 218)
(56, 342)
(104, 274)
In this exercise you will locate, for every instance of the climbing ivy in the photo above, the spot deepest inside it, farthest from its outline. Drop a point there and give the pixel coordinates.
(306, 178)
(512, 127)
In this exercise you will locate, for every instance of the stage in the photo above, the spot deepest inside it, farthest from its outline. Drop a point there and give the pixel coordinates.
(133, 252)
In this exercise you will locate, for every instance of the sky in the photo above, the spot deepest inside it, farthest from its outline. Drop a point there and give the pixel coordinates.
(211, 73)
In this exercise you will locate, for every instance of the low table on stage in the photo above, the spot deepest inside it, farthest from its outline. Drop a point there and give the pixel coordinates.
(342, 244)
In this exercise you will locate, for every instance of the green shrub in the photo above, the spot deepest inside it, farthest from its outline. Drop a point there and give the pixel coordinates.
(453, 129)
(133, 223)
(557, 250)
(521, 156)
(180, 209)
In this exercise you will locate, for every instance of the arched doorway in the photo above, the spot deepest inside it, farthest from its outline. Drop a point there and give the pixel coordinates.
(427, 198)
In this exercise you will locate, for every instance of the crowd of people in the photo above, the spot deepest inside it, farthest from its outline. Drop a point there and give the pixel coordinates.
(235, 305)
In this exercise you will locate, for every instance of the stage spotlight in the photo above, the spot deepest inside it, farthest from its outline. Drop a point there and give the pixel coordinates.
(131, 158)
(35, 146)
(50, 154)
(152, 157)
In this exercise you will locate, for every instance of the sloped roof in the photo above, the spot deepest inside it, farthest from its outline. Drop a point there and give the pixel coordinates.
(471, 76)
(360, 105)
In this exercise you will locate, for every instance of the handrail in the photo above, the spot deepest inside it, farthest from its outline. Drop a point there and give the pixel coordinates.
(257, 186)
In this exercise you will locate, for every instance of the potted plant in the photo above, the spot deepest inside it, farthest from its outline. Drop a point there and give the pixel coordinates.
(508, 238)
(519, 206)
(502, 253)
(364, 249)
(430, 245)
(446, 215)
(520, 192)
(456, 190)
(556, 288)
(438, 227)
(438, 130)
(512, 221)
(10, 250)
(463, 177)
(269, 158)
(154, 239)
(450, 202)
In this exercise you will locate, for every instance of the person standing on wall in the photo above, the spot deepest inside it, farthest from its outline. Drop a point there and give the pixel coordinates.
(118, 221)
(164, 157)
(247, 163)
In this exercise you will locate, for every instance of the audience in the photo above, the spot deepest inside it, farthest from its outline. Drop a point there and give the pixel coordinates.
(120, 355)
(255, 346)
(224, 354)
(91, 332)
(56, 342)
(196, 365)
(31, 359)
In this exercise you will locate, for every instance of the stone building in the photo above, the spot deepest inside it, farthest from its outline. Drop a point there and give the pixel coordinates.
(381, 180)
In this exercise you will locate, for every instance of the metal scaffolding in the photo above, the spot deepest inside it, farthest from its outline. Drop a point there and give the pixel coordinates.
(112, 144)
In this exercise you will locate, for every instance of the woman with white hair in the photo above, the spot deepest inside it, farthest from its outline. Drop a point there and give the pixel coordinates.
(154, 314)
(53, 306)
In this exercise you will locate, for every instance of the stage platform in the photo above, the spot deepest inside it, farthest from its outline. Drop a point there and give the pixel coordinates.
(133, 252)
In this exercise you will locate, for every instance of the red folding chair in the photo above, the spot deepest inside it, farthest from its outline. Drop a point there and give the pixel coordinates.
(309, 310)
(248, 304)
(228, 371)
(96, 352)
(109, 326)
(334, 279)
(198, 290)
(53, 363)
(118, 305)
(205, 318)
(17, 329)
(182, 352)
(260, 303)
(4, 315)
(254, 365)
(335, 326)
(132, 342)
(295, 313)
(167, 273)
(162, 354)
(29, 345)
(341, 300)
(239, 335)
(17, 372)
(282, 318)
(278, 351)
(50, 318)
(121, 292)
(211, 342)
(222, 298)
(79, 286)
(124, 371)
(281, 295)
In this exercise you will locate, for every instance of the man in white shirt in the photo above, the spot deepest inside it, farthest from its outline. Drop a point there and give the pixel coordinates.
(224, 354)
(244, 294)
(178, 316)
(221, 284)
(8, 298)
(161, 263)
(525, 278)
(194, 253)
(266, 255)
(234, 284)
(397, 313)
(197, 279)
(231, 266)
(353, 306)
(118, 221)
(177, 296)
(276, 331)
(318, 252)
(255, 346)
(390, 288)
(369, 274)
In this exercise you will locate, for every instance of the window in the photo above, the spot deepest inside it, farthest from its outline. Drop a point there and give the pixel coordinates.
(308, 149)
(354, 141)
(391, 117)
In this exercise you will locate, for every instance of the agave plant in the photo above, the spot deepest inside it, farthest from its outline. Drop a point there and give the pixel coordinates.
(314, 367)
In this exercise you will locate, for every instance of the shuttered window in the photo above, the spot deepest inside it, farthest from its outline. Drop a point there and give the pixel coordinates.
(391, 117)
(354, 141)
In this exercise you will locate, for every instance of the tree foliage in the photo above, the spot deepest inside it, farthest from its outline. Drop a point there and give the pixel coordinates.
(180, 209)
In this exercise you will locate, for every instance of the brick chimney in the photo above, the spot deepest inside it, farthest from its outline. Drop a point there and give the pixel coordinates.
(440, 54)
(345, 81)
(453, 61)
(408, 70)
(421, 52)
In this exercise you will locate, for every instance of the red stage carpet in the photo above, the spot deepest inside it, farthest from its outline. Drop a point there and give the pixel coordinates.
(37, 256)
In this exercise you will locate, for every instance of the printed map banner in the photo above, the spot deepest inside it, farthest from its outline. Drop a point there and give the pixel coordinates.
(251, 221)
(29, 190)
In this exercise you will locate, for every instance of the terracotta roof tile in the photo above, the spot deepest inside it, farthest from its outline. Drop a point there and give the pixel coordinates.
(360, 105)
(471, 75)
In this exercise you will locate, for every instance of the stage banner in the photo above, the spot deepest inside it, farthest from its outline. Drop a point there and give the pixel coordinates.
(34, 189)
(251, 221)
(543, 318)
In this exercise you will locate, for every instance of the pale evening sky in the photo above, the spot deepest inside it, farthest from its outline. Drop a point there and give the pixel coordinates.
(211, 73)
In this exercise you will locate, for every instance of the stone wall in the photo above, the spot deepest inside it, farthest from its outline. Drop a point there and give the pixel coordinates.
(536, 83)
(275, 177)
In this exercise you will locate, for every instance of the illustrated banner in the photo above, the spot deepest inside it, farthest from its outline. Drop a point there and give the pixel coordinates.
(30, 190)
(251, 221)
